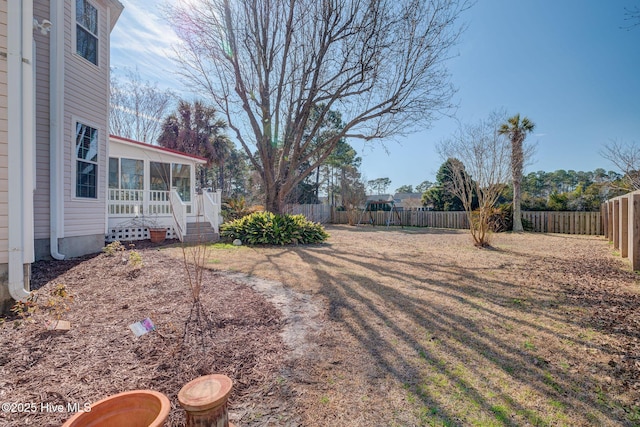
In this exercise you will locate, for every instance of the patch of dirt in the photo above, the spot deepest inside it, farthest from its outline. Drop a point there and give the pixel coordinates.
(254, 324)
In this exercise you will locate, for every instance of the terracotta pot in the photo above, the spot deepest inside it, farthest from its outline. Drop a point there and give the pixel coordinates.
(157, 235)
(205, 401)
(138, 408)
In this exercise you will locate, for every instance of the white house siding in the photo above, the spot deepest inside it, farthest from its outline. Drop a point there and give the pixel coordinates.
(86, 100)
(5, 297)
(4, 185)
(41, 195)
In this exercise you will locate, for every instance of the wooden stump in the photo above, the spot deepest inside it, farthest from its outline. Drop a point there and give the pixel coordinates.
(205, 401)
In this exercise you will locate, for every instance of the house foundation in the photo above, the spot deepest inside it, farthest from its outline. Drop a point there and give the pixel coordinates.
(5, 297)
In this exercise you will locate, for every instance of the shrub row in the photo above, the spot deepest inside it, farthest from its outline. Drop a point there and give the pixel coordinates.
(266, 228)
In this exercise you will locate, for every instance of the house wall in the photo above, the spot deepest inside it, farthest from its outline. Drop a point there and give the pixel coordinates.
(4, 244)
(4, 185)
(86, 100)
(41, 194)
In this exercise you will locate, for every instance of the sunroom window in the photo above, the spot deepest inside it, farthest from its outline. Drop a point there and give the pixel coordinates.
(87, 31)
(131, 174)
(181, 180)
(126, 174)
(159, 176)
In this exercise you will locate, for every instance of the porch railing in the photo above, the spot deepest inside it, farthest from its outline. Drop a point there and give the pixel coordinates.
(126, 202)
(211, 208)
(179, 214)
(138, 202)
(159, 203)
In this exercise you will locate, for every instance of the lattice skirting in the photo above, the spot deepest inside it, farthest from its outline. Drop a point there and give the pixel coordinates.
(126, 234)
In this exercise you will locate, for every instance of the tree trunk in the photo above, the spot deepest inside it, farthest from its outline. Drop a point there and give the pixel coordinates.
(317, 187)
(221, 176)
(517, 163)
(273, 201)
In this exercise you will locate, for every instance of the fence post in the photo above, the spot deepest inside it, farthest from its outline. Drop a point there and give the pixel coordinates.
(624, 226)
(610, 220)
(616, 224)
(634, 231)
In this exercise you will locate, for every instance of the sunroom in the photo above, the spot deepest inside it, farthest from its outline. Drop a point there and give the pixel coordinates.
(154, 187)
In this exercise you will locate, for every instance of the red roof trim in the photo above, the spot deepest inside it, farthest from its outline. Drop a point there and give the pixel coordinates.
(157, 147)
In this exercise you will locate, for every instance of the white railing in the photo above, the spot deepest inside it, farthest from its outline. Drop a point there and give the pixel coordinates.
(129, 203)
(126, 202)
(158, 203)
(211, 208)
(138, 202)
(179, 214)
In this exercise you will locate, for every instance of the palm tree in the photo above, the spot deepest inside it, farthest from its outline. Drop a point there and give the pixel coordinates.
(196, 129)
(516, 130)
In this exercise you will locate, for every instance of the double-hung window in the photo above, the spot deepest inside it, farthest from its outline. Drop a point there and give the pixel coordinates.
(87, 31)
(86, 161)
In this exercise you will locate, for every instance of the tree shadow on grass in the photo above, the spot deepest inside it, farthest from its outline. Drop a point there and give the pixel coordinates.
(361, 304)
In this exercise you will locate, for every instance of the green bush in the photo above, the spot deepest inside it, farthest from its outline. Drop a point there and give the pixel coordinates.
(266, 228)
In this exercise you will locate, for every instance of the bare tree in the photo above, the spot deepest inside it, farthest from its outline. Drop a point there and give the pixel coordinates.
(352, 192)
(626, 157)
(633, 16)
(479, 159)
(268, 64)
(137, 107)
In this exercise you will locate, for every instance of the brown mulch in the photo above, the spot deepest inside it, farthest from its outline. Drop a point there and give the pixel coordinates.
(100, 355)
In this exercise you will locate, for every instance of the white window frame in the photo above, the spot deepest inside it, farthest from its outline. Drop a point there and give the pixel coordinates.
(74, 161)
(120, 159)
(75, 33)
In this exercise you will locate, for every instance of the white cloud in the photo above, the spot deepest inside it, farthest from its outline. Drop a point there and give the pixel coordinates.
(143, 39)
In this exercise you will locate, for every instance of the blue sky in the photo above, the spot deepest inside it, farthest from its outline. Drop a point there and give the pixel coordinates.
(571, 66)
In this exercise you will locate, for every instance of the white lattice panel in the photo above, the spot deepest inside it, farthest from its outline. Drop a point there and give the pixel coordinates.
(126, 234)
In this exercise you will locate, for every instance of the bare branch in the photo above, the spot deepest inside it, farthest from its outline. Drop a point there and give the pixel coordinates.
(137, 107)
(626, 157)
(479, 162)
(268, 63)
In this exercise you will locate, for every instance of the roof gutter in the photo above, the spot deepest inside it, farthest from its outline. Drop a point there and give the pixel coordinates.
(56, 128)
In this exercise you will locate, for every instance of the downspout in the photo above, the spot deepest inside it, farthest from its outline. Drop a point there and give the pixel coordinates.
(56, 127)
(20, 133)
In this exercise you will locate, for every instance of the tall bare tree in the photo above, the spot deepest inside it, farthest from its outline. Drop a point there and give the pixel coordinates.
(478, 158)
(137, 107)
(626, 157)
(633, 16)
(516, 130)
(267, 64)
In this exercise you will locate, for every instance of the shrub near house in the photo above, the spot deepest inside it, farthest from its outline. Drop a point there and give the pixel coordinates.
(266, 228)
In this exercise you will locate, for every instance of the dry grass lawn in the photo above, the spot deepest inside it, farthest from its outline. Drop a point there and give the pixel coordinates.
(376, 327)
(422, 328)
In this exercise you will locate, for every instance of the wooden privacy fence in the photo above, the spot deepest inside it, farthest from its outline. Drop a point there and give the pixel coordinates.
(409, 218)
(542, 222)
(590, 223)
(565, 222)
(316, 213)
(621, 220)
